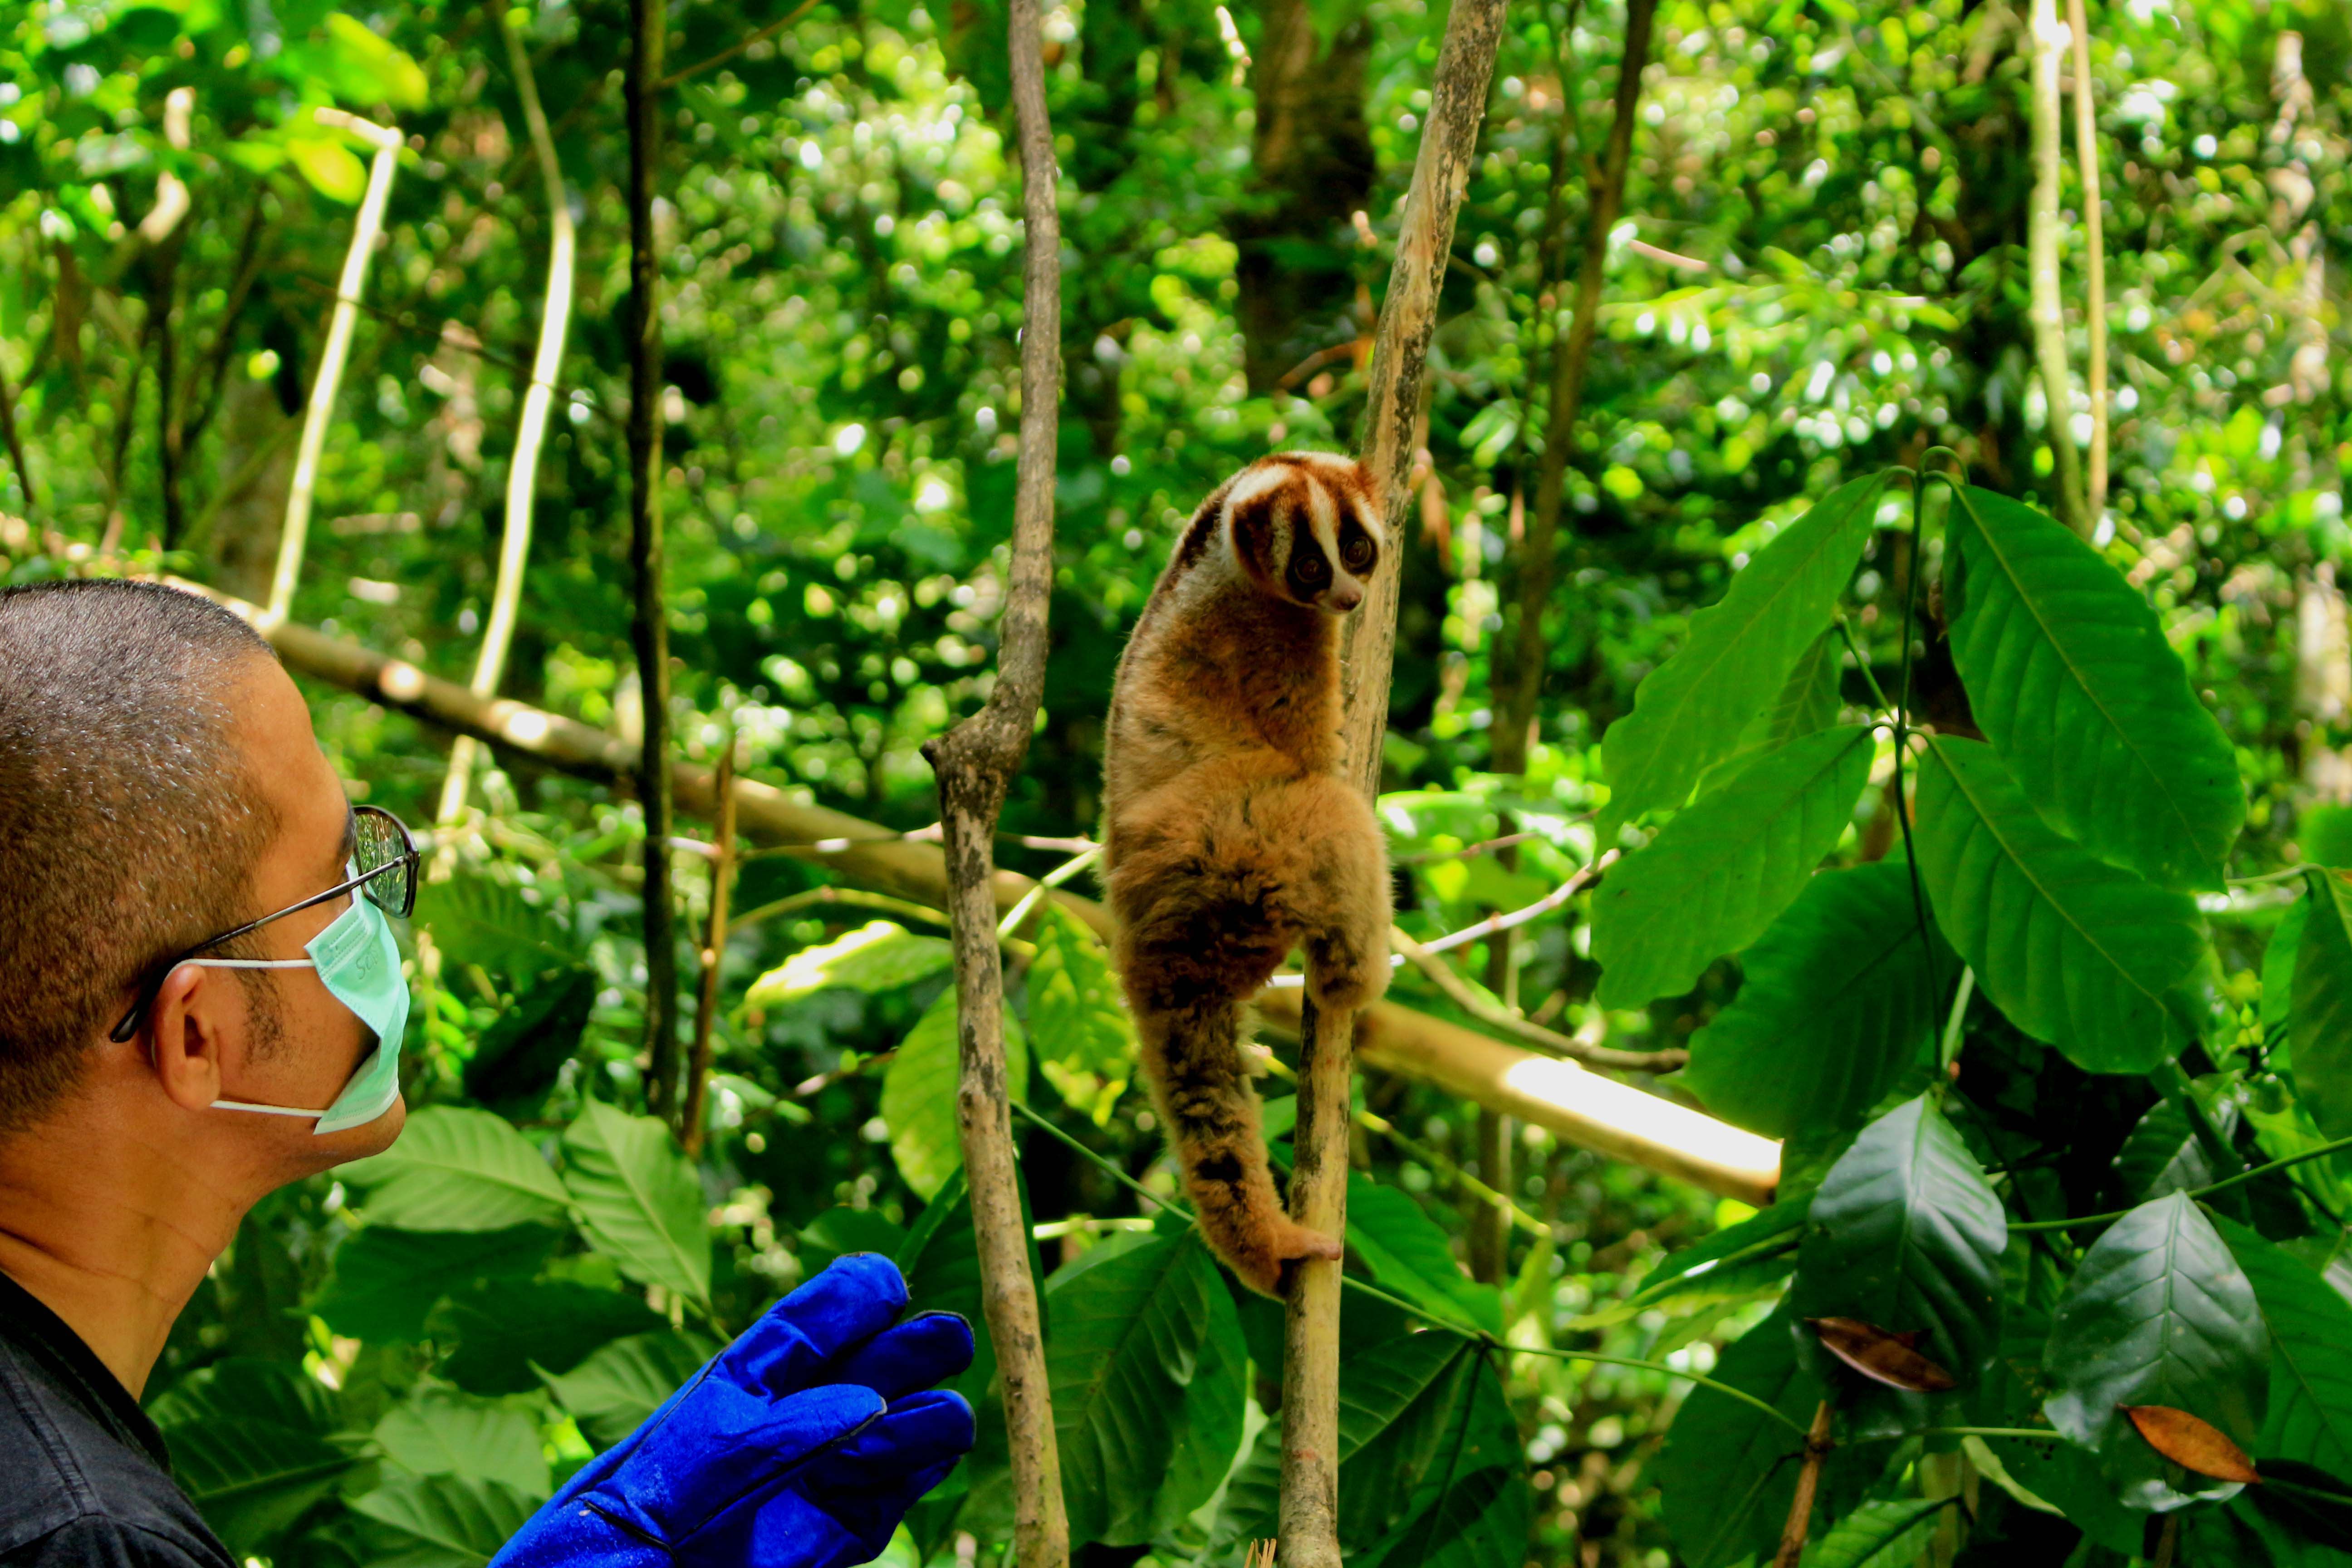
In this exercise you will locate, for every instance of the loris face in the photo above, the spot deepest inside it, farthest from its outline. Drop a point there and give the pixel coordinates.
(1305, 527)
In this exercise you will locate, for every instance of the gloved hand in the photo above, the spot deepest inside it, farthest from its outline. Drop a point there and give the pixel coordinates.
(802, 1445)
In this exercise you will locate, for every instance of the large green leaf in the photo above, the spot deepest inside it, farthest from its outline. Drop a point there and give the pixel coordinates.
(252, 1479)
(1480, 1521)
(1733, 1264)
(517, 1059)
(2069, 676)
(249, 1388)
(1721, 872)
(1905, 1232)
(2077, 954)
(1209, 1430)
(2163, 1153)
(1808, 700)
(877, 956)
(1408, 1253)
(1837, 1005)
(441, 1520)
(918, 1093)
(2278, 964)
(505, 1333)
(2157, 1313)
(623, 1382)
(1689, 712)
(2310, 1415)
(1729, 1471)
(456, 1168)
(1126, 1342)
(384, 1282)
(473, 920)
(454, 1434)
(641, 1204)
(2319, 1027)
(1079, 1027)
(1879, 1535)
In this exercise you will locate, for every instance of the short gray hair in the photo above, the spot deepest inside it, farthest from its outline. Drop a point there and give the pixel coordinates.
(129, 829)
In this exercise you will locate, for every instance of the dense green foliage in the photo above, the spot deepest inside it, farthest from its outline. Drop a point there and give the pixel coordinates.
(2052, 993)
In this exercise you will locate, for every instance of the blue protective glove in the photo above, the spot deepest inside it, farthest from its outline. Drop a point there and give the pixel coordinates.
(802, 1445)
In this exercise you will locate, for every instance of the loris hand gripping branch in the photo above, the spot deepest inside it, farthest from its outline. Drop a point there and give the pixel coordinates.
(1231, 837)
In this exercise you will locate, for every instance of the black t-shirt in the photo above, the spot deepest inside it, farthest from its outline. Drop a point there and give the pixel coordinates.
(85, 1481)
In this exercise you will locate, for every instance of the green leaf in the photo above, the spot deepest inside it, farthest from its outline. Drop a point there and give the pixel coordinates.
(2069, 675)
(1809, 702)
(612, 1391)
(841, 1229)
(1125, 1343)
(1409, 1254)
(2310, 1415)
(451, 1434)
(329, 167)
(1481, 1522)
(365, 70)
(475, 919)
(2157, 1313)
(2163, 1153)
(918, 1094)
(456, 1168)
(2319, 1027)
(876, 957)
(1729, 1471)
(502, 1332)
(1879, 1535)
(249, 1388)
(1078, 1028)
(1459, 1424)
(1734, 1263)
(1905, 1232)
(516, 1061)
(1717, 875)
(441, 1521)
(384, 1282)
(2278, 964)
(1208, 1432)
(252, 1479)
(641, 1203)
(2077, 954)
(1837, 1006)
(1688, 712)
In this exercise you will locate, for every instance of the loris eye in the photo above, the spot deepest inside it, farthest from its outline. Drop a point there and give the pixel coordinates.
(1310, 569)
(1357, 552)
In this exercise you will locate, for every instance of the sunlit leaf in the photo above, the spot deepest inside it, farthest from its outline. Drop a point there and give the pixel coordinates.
(620, 1383)
(456, 1168)
(2319, 1026)
(641, 1203)
(1410, 1255)
(1078, 1028)
(918, 1093)
(876, 957)
(447, 1433)
(477, 919)
(332, 168)
(441, 1520)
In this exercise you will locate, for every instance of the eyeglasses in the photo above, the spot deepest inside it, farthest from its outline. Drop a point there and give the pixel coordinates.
(384, 863)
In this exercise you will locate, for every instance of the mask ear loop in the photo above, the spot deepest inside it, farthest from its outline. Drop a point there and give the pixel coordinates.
(252, 963)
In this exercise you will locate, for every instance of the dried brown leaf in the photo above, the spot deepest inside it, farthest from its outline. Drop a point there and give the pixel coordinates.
(1881, 1354)
(2191, 1444)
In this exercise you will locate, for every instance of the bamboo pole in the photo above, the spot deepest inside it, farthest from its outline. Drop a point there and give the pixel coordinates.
(1309, 1530)
(649, 625)
(530, 434)
(976, 762)
(2087, 160)
(296, 535)
(2042, 247)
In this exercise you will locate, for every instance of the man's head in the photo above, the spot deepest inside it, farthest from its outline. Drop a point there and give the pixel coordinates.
(159, 784)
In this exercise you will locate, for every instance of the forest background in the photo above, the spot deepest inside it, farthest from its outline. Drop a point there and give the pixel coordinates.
(1819, 266)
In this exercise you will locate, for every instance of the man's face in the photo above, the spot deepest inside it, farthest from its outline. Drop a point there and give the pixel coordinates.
(317, 1042)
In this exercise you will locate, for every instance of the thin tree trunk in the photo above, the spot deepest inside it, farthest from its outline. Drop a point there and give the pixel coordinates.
(2086, 158)
(650, 625)
(714, 951)
(1572, 356)
(2041, 248)
(1612, 1119)
(1809, 1480)
(1318, 1183)
(976, 762)
(16, 446)
(296, 535)
(522, 471)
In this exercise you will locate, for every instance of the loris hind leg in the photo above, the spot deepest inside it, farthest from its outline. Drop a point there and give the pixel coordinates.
(1337, 886)
(1192, 1058)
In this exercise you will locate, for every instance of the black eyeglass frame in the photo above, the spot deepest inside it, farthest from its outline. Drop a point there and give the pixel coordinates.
(399, 907)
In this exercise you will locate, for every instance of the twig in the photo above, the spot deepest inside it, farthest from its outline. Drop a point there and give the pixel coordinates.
(1318, 1184)
(649, 625)
(851, 896)
(1809, 1480)
(296, 534)
(1502, 1018)
(522, 471)
(1535, 911)
(714, 950)
(2086, 159)
(2041, 244)
(737, 48)
(976, 762)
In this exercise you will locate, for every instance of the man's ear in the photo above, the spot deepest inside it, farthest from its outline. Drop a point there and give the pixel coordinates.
(185, 1038)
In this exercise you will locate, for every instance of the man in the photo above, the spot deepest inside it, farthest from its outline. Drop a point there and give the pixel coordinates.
(200, 1002)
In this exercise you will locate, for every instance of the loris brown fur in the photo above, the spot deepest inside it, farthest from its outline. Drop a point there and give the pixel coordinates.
(1229, 836)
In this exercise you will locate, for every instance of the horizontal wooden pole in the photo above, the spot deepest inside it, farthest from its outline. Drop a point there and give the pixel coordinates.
(1584, 1107)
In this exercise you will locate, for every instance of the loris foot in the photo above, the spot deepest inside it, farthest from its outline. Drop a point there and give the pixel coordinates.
(1264, 1262)
(1342, 976)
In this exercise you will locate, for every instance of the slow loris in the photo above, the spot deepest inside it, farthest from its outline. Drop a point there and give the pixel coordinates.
(1230, 837)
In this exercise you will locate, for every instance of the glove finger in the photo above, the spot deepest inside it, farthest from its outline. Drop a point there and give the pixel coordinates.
(928, 1347)
(722, 1444)
(869, 1481)
(851, 1302)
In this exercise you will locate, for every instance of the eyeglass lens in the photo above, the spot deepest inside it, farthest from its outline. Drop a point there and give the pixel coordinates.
(381, 843)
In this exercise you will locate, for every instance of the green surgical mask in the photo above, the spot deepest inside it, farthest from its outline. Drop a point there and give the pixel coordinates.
(359, 963)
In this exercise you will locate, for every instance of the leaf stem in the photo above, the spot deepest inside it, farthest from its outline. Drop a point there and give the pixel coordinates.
(2240, 1180)
(1952, 1026)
